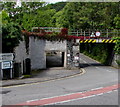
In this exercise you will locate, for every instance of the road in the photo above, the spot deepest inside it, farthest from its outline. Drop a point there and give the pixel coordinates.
(97, 86)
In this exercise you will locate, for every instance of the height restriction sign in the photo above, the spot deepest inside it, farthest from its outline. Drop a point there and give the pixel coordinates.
(97, 33)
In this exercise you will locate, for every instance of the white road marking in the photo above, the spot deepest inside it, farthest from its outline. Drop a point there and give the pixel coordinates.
(108, 70)
(103, 69)
(115, 90)
(96, 88)
(32, 100)
(94, 95)
(97, 67)
(75, 99)
(99, 94)
(109, 91)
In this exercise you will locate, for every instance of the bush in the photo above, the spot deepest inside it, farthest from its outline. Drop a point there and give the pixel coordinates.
(11, 36)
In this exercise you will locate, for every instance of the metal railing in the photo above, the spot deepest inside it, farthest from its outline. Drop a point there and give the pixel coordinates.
(103, 33)
(81, 32)
(48, 29)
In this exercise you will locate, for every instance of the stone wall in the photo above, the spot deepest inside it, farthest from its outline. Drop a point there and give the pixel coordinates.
(114, 63)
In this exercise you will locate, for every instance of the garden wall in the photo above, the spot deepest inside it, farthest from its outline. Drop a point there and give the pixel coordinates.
(20, 54)
(115, 58)
(37, 50)
(56, 46)
(37, 53)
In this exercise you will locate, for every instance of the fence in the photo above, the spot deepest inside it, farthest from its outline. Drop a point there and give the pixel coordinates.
(48, 29)
(103, 32)
(81, 32)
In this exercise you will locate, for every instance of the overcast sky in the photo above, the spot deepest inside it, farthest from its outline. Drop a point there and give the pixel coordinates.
(53, 1)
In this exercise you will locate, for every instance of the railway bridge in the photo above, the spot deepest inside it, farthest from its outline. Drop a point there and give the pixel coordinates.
(68, 48)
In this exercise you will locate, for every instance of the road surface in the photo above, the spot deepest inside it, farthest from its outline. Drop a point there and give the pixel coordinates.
(97, 86)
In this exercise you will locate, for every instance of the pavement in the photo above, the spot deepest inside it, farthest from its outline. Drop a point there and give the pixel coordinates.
(42, 76)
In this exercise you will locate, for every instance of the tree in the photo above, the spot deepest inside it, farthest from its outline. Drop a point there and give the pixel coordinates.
(11, 33)
(88, 15)
(11, 36)
(117, 21)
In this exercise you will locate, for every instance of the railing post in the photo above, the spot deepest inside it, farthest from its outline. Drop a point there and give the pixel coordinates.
(81, 32)
(107, 33)
(77, 32)
(84, 34)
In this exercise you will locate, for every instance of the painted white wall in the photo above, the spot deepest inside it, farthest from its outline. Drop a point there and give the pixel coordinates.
(56, 46)
(20, 54)
(37, 53)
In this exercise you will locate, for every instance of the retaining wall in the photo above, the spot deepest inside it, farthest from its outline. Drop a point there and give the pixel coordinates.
(37, 52)
(20, 54)
(114, 63)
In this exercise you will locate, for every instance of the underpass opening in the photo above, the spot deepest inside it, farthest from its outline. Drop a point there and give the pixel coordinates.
(102, 52)
(54, 59)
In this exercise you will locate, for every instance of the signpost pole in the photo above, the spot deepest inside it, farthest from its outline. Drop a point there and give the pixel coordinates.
(11, 73)
(1, 74)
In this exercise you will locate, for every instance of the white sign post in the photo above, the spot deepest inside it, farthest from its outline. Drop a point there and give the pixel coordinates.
(6, 60)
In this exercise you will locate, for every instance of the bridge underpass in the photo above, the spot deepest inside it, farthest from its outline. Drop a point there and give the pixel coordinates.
(70, 48)
(54, 59)
(103, 52)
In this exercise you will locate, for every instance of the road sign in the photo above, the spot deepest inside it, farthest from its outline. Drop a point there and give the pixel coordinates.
(6, 61)
(6, 57)
(7, 65)
(97, 33)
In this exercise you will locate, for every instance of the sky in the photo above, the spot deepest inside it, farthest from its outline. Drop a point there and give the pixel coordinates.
(50, 1)
(53, 1)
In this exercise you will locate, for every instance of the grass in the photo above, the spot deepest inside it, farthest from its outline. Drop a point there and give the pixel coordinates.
(26, 76)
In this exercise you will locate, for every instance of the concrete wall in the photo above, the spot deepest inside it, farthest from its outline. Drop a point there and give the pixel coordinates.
(56, 46)
(20, 54)
(37, 53)
(116, 57)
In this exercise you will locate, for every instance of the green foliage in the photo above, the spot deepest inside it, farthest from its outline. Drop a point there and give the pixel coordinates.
(118, 62)
(26, 76)
(11, 34)
(72, 15)
(117, 21)
(117, 45)
(89, 15)
(43, 18)
(5, 17)
(57, 6)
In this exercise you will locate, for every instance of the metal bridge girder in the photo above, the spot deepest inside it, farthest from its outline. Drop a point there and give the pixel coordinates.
(98, 41)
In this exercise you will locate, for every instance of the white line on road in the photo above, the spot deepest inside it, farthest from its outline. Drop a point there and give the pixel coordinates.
(32, 100)
(97, 67)
(103, 69)
(99, 94)
(97, 88)
(109, 91)
(108, 70)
